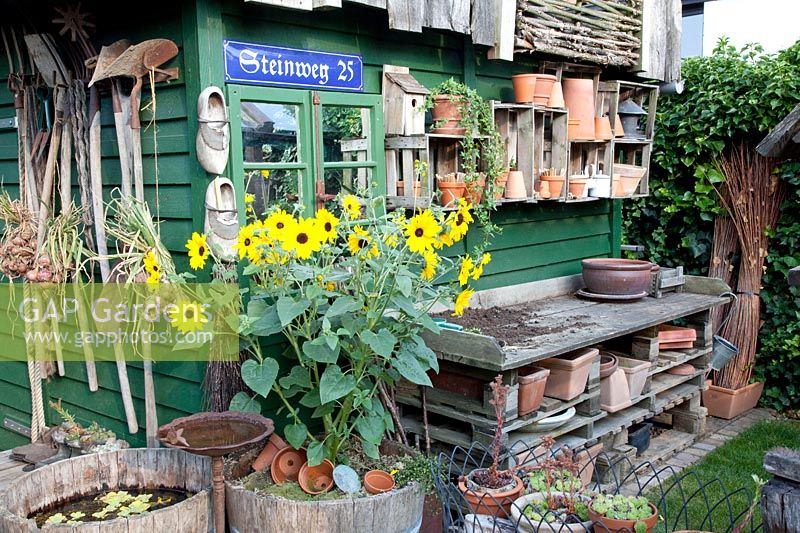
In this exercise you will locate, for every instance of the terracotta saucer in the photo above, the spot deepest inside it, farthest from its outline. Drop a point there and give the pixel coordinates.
(583, 293)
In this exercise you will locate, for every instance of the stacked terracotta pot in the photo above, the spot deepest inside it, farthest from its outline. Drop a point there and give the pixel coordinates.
(579, 99)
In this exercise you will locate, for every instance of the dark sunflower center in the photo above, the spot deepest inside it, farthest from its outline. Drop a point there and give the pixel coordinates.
(201, 251)
(419, 232)
(279, 225)
(328, 226)
(302, 238)
(460, 219)
(155, 268)
(247, 242)
(189, 314)
(362, 243)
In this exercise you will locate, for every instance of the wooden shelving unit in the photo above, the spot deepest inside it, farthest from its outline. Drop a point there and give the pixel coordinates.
(631, 328)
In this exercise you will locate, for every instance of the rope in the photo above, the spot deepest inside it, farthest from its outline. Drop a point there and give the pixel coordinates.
(35, 379)
(80, 139)
(152, 74)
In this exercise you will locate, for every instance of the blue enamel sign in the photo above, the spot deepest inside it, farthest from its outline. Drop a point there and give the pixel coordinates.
(259, 64)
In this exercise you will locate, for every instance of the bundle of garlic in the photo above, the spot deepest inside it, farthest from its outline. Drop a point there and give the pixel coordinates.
(18, 241)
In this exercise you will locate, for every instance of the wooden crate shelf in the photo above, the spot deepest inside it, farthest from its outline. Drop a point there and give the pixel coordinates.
(612, 93)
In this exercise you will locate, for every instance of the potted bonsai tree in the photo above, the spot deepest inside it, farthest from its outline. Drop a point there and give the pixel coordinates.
(489, 490)
(623, 513)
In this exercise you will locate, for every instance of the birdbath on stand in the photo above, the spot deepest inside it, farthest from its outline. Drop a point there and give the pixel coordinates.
(215, 435)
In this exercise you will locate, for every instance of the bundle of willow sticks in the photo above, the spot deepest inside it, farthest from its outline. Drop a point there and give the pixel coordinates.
(723, 262)
(599, 31)
(752, 195)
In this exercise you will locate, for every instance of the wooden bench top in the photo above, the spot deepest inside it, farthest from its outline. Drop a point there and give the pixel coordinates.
(569, 323)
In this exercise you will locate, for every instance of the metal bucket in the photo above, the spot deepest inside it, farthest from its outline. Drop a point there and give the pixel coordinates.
(722, 352)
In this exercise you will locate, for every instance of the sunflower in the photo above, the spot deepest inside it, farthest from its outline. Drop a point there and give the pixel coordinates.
(187, 316)
(431, 262)
(351, 206)
(458, 221)
(359, 241)
(462, 301)
(151, 264)
(248, 244)
(391, 240)
(304, 238)
(154, 279)
(421, 232)
(327, 223)
(198, 251)
(265, 174)
(278, 223)
(248, 202)
(465, 271)
(477, 272)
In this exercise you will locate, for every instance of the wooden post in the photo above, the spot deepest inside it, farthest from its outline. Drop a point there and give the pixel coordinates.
(780, 499)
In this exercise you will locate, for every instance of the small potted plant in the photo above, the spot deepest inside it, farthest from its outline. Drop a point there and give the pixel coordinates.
(488, 490)
(618, 513)
(452, 187)
(447, 103)
(553, 499)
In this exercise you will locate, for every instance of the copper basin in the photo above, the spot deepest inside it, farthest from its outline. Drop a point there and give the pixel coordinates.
(215, 434)
(617, 276)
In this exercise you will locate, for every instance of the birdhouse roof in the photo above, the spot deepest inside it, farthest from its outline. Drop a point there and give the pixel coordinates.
(407, 82)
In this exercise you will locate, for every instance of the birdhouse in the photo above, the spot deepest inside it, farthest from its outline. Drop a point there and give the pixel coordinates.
(403, 102)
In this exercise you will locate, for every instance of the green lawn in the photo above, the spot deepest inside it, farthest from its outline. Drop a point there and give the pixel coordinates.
(733, 465)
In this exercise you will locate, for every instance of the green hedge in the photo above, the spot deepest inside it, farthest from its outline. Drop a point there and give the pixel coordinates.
(730, 95)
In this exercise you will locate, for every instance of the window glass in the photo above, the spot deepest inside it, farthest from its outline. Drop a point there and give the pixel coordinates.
(345, 133)
(270, 187)
(270, 132)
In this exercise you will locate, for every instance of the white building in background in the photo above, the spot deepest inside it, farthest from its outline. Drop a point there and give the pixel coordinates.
(772, 23)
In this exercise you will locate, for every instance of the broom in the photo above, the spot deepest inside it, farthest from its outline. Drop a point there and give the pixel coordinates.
(752, 196)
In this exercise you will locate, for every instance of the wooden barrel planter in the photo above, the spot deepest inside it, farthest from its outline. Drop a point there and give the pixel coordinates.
(398, 511)
(130, 469)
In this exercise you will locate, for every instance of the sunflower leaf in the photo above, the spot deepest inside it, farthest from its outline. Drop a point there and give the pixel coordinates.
(245, 403)
(260, 377)
(334, 384)
(295, 435)
(289, 309)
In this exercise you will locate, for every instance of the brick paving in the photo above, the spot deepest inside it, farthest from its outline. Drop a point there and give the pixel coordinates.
(718, 431)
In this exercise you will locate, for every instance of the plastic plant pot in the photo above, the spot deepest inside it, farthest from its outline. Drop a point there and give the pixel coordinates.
(568, 373)
(531, 390)
(639, 437)
(614, 392)
(635, 373)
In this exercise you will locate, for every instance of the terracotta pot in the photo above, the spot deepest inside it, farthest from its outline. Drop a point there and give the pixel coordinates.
(274, 445)
(577, 186)
(492, 503)
(608, 364)
(568, 373)
(614, 392)
(286, 464)
(624, 277)
(579, 99)
(544, 189)
(555, 185)
(316, 479)
(586, 461)
(612, 525)
(627, 178)
(501, 181)
(574, 129)
(619, 131)
(467, 386)
(543, 88)
(635, 373)
(432, 515)
(556, 96)
(730, 403)
(474, 190)
(451, 192)
(524, 87)
(669, 333)
(445, 113)
(401, 188)
(515, 187)
(602, 129)
(531, 389)
(378, 481)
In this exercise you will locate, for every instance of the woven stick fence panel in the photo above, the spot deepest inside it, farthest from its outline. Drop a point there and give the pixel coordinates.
(598, 31)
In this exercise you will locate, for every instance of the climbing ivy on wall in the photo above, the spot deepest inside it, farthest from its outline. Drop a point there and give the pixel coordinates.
(733, 94)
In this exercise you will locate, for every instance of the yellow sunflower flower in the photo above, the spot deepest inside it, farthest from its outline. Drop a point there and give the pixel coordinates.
(265, 174)
(278, 223)
(431, 262)
(458, 221)
(151, 263)
(421, 232)
(187, 316)
(477, 272)
(247, 244)
(327, 222)
(359, 241)
(304, 238)
(462, 301)
(154, 278)
(351, 206)
(465, 271)
(391, 240)
(198, 251)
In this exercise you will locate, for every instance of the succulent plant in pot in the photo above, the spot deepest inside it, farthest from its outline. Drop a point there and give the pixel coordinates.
(489, 490)
(616, 512)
